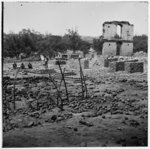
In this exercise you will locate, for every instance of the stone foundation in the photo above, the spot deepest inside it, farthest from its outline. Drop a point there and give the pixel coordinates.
(86, 64)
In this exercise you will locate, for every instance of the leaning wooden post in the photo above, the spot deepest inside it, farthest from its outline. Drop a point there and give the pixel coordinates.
(63, 80)
(58, 92)
(4, 92)
(81, 78)
(14, 95)
(84, 82)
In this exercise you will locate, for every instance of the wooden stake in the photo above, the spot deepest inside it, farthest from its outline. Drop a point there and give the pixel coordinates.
(81, 78)
(84, 83)
(14, 88)
(58, 92)
(61, 79)
(14, 96)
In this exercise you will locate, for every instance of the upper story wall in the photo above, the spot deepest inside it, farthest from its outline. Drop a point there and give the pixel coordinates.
(110, 30)
(127, 32)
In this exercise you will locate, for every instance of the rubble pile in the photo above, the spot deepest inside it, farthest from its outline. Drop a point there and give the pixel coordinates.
(32, 95)
(140, 54)
(107, 102)
(74, 64)
(86, 64)
(108, 60)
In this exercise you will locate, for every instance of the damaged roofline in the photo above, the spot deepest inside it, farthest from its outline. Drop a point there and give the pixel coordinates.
(119, 40)
(117, 23)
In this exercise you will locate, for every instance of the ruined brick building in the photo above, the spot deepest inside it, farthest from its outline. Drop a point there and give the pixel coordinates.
(117, 38)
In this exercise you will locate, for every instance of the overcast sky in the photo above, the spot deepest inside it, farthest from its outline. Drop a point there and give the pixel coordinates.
(86, 17)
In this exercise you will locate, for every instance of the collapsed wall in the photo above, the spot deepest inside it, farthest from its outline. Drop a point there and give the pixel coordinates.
(117, 43)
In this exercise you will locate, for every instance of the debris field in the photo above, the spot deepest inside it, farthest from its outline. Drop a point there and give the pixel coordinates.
(41, 109)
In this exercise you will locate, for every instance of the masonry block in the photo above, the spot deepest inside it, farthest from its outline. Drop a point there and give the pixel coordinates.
(132, 67)
(108, 60)
(117, 66)
(86, 64)
(62, 62)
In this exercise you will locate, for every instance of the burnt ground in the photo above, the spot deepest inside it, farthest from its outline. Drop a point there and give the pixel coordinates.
(115, 113)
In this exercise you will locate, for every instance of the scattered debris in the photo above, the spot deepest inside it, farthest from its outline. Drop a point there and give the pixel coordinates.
(85, 123)
(40, 98)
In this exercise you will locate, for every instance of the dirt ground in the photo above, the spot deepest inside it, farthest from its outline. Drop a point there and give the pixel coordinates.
(115, 113)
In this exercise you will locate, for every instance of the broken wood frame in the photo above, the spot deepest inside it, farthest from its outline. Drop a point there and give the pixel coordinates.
(58, 92)
(59, 87)
(63, 78)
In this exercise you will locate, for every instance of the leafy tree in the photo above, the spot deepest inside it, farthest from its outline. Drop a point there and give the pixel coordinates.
(98, 45)
(140, 43)
(74, 40)
(11, 45)
(84, 46)
(29, 41)
(24, 42)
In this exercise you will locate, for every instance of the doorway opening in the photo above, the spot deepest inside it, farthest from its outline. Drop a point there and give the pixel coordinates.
(118, 31)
